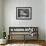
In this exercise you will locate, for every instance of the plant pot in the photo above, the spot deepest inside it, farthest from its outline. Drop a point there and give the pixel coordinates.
(3, 41)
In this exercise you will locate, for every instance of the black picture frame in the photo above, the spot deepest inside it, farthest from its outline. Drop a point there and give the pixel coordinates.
(23, 13)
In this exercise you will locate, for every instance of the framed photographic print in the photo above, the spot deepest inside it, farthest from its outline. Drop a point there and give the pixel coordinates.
(23, 13)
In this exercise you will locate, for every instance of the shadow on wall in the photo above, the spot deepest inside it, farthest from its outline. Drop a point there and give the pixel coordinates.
(1, 34)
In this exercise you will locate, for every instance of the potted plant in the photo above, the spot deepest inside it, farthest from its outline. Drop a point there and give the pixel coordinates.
(2, 37)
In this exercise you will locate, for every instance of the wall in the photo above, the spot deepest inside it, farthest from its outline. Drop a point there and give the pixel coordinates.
(0, 18)
(38, 15)
(45, 19)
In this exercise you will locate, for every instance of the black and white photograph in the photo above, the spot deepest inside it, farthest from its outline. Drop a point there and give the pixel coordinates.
(24, 13)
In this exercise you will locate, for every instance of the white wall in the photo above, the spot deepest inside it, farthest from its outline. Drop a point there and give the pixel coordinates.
(38, 15)
(0, 18)
(45, 19)
(0, 14)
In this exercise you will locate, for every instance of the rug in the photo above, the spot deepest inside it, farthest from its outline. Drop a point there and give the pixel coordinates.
(23, 45)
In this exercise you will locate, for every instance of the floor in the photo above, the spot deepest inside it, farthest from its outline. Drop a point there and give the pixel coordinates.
(25, 43)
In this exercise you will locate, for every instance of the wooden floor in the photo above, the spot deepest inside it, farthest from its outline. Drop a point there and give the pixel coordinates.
(40, 42)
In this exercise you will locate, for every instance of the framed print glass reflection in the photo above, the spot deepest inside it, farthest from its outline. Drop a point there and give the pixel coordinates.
(23, 13)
